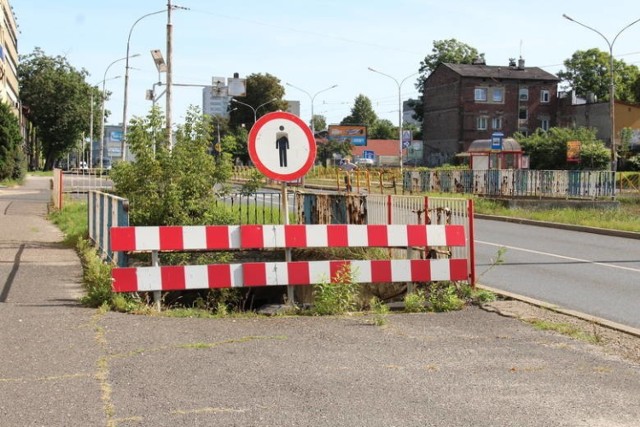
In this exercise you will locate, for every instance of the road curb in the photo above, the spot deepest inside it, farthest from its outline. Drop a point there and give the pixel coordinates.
(582, 316)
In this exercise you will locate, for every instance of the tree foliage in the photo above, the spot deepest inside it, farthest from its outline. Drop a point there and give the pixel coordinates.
(261, 89)
(449, 51)
(12, 161)
(588, 71)
(361, 113)
(319, 122)
(548, 150)
(171, 187)
(57, 101)
(383, 129)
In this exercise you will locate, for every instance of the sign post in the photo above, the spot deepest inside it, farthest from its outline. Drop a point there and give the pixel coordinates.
(282, 147)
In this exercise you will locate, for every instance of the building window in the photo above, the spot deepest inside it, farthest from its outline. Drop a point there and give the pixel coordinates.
(481, 123)
(544, 124)
(480, 94)
(496, 123)
(545, 96)
(497, 95)
(523, 113)
(523, 94)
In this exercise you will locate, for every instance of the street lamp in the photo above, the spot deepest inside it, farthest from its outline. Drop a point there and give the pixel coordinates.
(612, 90)
(104, 79)
(218, 127)
(312, 97)
(126, 69)
(399, 110)
(255, 110)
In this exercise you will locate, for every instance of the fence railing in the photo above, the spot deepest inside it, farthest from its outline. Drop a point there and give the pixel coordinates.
(106, 211)
(514, 183)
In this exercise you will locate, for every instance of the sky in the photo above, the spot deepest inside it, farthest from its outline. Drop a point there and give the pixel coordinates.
(311, 44)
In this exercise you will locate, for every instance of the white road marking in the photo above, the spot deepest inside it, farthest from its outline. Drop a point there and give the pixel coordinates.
(586, 261)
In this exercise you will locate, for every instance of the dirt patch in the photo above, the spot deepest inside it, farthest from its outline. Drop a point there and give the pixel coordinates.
(613, 342)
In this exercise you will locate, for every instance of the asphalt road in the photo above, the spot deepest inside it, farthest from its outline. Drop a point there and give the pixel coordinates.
(594, 274)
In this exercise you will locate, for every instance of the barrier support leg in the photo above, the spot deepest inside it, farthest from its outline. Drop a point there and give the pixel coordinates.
(287, 252)
(157, 295)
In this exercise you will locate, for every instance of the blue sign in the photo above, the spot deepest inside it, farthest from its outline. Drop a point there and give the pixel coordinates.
(369, 154)
(406, 138)
(496, 140)
(116, 135)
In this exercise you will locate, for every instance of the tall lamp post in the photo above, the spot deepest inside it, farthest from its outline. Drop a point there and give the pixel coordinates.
(312, 98)
(104, 80)
(399, 83)
(255, 110)
(612, 90)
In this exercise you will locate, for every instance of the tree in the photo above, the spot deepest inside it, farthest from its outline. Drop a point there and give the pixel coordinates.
(449, 51)
(57, 101)
(548, 150)
(261, 89)
(588, 71)
(362, 113)
(319, 122)
(171, 187)
(12, 162)
(383, 129)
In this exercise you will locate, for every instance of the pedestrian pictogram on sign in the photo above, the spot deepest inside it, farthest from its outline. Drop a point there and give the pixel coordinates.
(281, 146)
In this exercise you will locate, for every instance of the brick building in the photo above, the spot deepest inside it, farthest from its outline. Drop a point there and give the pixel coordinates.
(465, 102)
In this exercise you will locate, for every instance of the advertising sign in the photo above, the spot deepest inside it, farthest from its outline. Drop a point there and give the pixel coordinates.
(356, 135)
(573, 151)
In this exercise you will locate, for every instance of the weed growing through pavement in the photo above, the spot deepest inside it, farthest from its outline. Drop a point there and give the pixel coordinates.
(380, 311)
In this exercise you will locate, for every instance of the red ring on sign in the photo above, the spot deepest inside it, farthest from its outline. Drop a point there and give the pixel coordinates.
(253, 154)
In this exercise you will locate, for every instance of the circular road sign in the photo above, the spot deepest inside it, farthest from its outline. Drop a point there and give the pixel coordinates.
(282, 146)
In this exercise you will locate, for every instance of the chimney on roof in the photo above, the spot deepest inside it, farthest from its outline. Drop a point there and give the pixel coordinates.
(521, 63)
(479, 60)
(512, 62)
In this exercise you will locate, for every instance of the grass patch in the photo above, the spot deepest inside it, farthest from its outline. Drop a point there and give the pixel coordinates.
(565, 329)
(72, 221)
(625, 218)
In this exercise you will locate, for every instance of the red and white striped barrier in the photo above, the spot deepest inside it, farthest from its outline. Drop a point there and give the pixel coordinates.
(221, 237)
(188, 238)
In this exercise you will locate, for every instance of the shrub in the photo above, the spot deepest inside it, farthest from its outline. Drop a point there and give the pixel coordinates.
(443, 296)
(337, 297)
(415, 302)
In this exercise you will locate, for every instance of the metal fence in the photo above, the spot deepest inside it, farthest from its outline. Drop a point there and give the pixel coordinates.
(104, 211)
(514, 183)
(257, 208)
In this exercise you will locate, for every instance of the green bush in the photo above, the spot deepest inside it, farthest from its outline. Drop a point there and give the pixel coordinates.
(443, 296)
(415, 302)
(337, 297)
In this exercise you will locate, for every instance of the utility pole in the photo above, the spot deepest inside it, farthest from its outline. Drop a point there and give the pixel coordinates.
(169, 72)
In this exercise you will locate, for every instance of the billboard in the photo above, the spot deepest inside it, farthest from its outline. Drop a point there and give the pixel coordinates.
(573, 151)
(356, 135)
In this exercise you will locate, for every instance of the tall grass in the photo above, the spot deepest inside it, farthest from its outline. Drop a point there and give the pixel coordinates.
(72, 221)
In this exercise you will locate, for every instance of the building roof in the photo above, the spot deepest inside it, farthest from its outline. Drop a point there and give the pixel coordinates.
(484, 146)
(501, 72)
(380, 147)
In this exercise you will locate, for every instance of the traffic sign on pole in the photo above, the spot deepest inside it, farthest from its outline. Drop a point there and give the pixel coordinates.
(281, 146)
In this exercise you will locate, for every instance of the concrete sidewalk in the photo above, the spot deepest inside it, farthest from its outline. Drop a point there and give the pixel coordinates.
(65, 365)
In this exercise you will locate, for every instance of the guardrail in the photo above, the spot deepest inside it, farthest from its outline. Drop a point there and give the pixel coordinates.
(106, 211)
(158, 278)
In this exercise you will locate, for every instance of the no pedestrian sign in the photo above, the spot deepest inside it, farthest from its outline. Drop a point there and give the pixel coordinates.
(281, 146)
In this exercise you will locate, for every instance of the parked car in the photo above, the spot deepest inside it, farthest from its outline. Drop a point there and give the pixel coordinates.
(83, 166)
(365, 162)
